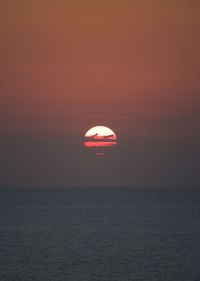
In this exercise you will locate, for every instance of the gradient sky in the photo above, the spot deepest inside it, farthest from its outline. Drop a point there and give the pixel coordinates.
(68, 65)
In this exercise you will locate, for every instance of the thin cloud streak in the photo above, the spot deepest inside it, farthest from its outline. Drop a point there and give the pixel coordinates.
(98, 115)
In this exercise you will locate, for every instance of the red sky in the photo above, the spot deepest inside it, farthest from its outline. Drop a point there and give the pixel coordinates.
(132, 65)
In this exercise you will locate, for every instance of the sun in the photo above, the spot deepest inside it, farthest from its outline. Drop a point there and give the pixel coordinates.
(100, 139)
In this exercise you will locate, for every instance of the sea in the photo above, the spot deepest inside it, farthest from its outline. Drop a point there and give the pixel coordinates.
(99, 234)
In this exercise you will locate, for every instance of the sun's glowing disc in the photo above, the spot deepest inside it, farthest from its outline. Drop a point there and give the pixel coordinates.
(99, 139)
(99, 130)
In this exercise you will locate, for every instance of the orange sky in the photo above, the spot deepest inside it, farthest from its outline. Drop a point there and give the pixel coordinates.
(65, 61)
(66, 66)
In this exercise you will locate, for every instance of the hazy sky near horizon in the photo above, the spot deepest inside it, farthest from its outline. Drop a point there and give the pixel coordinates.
(68, 65)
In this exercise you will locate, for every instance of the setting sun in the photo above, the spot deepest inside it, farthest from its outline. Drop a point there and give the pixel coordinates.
(99, 138)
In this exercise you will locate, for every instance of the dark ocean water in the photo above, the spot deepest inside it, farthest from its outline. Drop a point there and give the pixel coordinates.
(54, 234)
